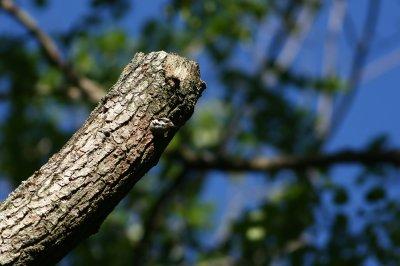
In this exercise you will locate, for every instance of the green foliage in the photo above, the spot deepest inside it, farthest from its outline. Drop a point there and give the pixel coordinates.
(265, 233)
(211, 119)
(100, 56)
(27, 123)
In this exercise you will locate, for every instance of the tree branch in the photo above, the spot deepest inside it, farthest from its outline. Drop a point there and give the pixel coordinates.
(360, 56)
(69, 197)
(90, 88)
(281, 34)
(381, 65)
(292, 47)
(263, 164)
(324, 104)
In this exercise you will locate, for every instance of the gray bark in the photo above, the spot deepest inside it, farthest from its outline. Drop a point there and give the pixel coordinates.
(68, 198)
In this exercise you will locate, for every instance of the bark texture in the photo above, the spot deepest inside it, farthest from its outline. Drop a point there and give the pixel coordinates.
(68, 198)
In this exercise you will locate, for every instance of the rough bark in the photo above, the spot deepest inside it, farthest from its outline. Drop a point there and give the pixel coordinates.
(68, 198)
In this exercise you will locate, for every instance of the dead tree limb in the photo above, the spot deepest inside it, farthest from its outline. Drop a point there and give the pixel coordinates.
(68, 198)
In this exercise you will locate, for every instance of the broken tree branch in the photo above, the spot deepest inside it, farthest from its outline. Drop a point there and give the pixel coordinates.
(68, 198)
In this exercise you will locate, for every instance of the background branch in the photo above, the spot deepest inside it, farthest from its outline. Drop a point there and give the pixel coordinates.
(335, 24)
(90, 88)
(360, 55)
(382, 65)
(262, 164)
(293, 45)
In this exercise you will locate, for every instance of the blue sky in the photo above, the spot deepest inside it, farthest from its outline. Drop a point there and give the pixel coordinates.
(376, 106)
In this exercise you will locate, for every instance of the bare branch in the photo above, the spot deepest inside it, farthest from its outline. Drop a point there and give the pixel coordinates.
(335, 23)
(263, 164)
(381, 65)
(90, 88)
(287, 43)
(283, 30)
(293, 45)
(361, 53)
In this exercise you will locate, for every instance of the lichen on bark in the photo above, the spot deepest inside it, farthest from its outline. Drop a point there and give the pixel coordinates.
(68, 198)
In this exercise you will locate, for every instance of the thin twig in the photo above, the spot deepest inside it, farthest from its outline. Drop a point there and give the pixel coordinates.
(335, 23)
(287, 42)
(360, 56)
(90, 88)
(281, 34)
(381, 65)
(292, 47)
(278, 40)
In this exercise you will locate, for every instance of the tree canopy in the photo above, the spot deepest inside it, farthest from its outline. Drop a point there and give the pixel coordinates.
(251, 179)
